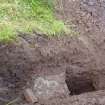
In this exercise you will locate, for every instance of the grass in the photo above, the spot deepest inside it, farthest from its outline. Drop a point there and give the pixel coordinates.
(28, 16)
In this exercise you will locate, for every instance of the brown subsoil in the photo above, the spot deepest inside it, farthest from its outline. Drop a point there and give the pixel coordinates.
(81, 56)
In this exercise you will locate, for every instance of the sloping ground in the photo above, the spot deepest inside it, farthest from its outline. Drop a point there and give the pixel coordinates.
(95, 98)
(78, 56)
(28, 16)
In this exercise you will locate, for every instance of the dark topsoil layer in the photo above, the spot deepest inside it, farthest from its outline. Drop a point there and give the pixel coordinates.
(38, 55)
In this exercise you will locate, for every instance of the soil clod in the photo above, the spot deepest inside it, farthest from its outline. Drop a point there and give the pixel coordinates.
(29, 96)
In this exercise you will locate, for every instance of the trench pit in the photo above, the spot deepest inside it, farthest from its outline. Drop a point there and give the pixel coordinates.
(79, 84)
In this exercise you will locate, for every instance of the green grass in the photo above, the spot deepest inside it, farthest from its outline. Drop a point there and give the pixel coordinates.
(28, 16)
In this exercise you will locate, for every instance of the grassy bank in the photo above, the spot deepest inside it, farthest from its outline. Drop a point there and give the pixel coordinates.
(26, 16)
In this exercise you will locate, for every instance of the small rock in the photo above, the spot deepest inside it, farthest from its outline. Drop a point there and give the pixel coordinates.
(29, 96)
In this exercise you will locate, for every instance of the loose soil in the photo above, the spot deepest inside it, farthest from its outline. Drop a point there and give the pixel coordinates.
(81, 57)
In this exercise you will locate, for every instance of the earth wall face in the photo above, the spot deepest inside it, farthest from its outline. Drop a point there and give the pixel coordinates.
(84, 54)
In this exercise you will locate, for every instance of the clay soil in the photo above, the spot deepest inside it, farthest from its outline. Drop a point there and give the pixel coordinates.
(81, 57)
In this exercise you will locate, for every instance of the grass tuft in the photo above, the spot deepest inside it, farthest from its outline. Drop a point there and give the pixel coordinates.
(28, 15)
(7, 33)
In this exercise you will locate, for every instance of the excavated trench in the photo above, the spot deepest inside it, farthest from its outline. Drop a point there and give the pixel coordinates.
(79, 85)
(79, 81)
(81, 57)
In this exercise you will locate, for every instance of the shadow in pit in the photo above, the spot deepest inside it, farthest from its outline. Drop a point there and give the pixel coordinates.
(79, 84)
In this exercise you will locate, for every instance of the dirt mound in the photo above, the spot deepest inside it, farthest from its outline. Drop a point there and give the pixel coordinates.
(79, 56)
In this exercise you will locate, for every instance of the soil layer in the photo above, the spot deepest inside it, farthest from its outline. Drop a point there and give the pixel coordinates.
(79, 56)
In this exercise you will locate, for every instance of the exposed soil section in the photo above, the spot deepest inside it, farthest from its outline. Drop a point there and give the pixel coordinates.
(95, 98)
(79, 81)
(81, 57)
